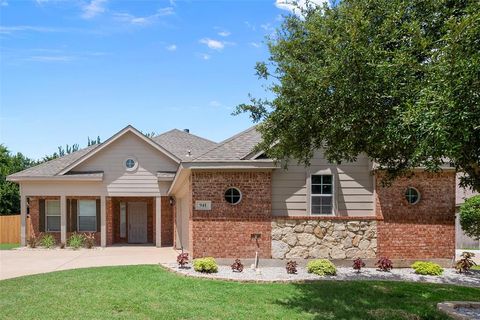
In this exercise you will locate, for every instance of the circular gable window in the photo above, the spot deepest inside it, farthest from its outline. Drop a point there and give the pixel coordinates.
(131, 164)
(233, 195)
(412, 195)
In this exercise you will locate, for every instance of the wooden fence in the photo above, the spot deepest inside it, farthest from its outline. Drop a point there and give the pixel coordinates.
(10, 229)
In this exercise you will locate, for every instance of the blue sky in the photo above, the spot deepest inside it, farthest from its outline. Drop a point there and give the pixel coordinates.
(73, 69)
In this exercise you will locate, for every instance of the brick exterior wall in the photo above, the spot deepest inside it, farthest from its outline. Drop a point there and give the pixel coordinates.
(34, 212)
(420, 231)
(225, 230)
(166, 223)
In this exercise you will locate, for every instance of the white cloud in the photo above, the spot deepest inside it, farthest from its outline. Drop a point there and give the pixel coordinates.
(93, 9)
(215, 103)
(52, 58)
(250, 26)
(292, 5)
(171, 47)
(267, 27)
(131, 19)
(3, 3)
(224, 33)
(205, 56)
(213, 44)
(12, 29)
(255, 44)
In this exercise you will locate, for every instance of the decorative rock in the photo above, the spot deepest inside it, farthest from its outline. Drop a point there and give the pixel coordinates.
(320, 252)
(351, 253)
(287, 230)
(291, 239)
(339, 227)
(277, 234)
(347, 243)
(298, 252)
(319, 231)
(353, 226)
(308, 229)
(306, 239)
(337, 253)
(279, 249)
(364, 244)
(356, 240)
(299, 228)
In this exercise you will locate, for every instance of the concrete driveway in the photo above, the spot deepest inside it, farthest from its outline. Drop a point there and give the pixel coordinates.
(23, 261)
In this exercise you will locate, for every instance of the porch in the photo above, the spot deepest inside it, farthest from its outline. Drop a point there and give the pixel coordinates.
(114, 220)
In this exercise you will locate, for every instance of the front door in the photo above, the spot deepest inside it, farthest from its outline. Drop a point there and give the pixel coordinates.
(137, 222)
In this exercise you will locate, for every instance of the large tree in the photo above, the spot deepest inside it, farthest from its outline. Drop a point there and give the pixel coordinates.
(398, 80)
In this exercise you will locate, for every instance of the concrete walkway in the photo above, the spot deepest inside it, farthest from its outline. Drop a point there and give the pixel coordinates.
(23, 261)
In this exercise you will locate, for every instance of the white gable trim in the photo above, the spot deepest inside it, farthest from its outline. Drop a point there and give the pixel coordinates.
(113, 138)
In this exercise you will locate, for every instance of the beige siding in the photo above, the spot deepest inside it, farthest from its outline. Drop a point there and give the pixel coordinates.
(182, 217)
(353, 187)
(119, 182)
(67, 188)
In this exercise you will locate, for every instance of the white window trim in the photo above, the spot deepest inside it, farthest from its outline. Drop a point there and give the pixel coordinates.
(78, 216)
(310, 196)
(132, 169)
(47, 215)
(239, 200)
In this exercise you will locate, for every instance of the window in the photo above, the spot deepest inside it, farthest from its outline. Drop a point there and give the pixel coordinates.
(412, 195)
(131, 164)
(123, 220)
(52, 215)
(87, 215)
(233, 195)
(321, 194)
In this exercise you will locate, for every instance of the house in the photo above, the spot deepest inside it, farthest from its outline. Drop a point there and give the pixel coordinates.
(225, 200)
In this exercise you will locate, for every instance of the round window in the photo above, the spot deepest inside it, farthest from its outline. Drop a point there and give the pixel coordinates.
(233, 195)
(412, 195)
(130, 164)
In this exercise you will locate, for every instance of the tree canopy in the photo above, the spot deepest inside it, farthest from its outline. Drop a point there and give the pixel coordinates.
(398, 80)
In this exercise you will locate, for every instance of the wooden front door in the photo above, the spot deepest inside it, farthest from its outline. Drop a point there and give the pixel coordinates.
(137, 222)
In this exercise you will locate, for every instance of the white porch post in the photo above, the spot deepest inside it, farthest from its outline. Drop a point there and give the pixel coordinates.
(103, 221)
(158, 221)
(63, 219)
(23, 218)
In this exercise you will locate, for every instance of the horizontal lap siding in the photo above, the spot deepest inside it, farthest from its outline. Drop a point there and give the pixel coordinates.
(120, 182)
(353, 187)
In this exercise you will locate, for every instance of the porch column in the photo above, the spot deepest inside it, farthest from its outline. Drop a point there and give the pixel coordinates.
(158, 221)
(103, 221)
(63, 219)
(23, 218)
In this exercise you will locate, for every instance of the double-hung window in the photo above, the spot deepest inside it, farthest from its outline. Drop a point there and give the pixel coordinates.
(87, 215)
(321, 194)
(52, 215)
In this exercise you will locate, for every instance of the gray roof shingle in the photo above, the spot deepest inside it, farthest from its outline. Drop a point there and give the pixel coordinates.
(235, 148)
(52, 167)
(181, 143)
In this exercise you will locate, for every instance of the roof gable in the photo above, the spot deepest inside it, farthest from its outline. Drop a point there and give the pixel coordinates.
(184, 145)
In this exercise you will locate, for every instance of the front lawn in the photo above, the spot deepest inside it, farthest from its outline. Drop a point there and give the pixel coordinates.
(147, 292)
(9, 246)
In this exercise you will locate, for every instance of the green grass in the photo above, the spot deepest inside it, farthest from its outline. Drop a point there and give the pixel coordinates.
(9, 246)
(149, 292)
(477, 267)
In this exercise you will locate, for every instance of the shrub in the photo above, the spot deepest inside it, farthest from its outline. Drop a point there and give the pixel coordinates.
(76, 240)
(182, 259)
(384, 264)
(291, 267)
(465, 263)
(207, 265)
(237, 266)
(427, 268)
(358, 264)
(322, 267)
(470, 217)
(47, 241)
(32, 241)
(89, 240)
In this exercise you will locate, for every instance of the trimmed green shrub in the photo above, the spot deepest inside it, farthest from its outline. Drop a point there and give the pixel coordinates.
(470, 217)
(207, 265)
(321, 267)
(427, 268)
(76, 240)
(47, 241)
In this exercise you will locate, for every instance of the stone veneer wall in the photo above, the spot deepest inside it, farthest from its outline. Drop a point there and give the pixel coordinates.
(328, 239)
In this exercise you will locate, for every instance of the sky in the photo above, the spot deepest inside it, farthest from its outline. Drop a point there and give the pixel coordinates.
(86, 68)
